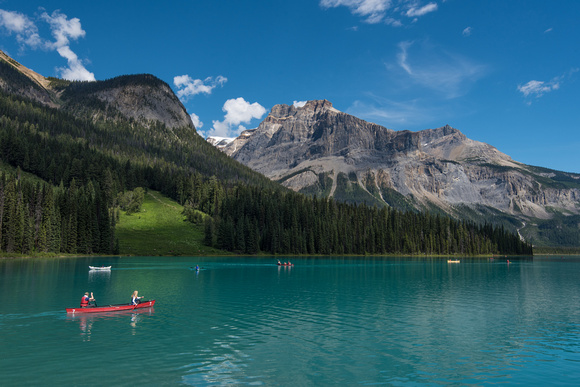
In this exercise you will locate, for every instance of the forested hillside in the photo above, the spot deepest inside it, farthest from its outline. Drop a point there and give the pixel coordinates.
(250, 220)
(86, 154)
(90, 163)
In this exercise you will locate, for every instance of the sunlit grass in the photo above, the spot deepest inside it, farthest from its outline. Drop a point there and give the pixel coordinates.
(160, 229)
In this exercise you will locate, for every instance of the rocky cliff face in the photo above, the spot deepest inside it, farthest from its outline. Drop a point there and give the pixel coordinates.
(143, 98)
(318, 149)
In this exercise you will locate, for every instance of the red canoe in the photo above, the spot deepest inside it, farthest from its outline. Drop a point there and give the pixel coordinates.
(111, 308)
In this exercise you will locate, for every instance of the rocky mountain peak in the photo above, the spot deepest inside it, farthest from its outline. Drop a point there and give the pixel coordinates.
(315, 148)
(142, 97)
(317, 106)
(306, 114)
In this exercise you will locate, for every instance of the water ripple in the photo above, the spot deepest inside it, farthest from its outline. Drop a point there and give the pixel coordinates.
(321, 323)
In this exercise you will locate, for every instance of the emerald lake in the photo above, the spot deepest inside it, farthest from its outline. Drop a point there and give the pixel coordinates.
(324, 321)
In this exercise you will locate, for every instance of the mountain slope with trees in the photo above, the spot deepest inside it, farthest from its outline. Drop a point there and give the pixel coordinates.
(318, 150)
(90, 150)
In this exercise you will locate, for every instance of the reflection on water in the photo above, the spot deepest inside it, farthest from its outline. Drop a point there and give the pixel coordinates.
(86, 321)
(99, 275)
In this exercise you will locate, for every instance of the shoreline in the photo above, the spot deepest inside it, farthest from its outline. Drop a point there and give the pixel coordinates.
(443, 256)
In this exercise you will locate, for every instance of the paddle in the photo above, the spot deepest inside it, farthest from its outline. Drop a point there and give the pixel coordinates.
(138, 301)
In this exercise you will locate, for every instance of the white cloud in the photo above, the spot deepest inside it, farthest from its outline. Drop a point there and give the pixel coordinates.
(75, 69)
(63, 30)
(25, 30)
(414, 11)
(382, 11)
(548, 30)
(538, 88)
(299, 104)
(15, 22)
(188, 87)
(373, 10)
(196, 121)
(237, 111)
(467, 31)
(447, 74)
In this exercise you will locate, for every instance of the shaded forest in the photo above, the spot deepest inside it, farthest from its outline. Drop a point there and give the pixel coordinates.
(250, 220)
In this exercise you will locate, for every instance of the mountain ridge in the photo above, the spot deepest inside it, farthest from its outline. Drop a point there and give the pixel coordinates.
(319, 150)
(143, 98)
(129, 118)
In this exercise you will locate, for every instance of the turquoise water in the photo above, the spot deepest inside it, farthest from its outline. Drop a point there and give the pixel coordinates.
(245, 321)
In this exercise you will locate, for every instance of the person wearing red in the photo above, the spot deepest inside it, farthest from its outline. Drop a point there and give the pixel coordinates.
(86, 300)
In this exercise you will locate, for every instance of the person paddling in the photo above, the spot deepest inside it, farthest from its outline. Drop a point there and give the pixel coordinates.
(135, 299)
(86, 300)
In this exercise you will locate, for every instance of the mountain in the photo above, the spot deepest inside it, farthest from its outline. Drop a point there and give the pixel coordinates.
(135, 118)
(316, 149)
(219, 142)
(95, 148)
(142, 98)
(73, 155)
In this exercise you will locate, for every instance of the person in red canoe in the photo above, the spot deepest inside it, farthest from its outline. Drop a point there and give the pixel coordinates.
(135, 299)
(88, 301)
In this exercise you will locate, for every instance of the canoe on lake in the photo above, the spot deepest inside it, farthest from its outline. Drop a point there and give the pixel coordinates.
(111, 308)
(99, 267)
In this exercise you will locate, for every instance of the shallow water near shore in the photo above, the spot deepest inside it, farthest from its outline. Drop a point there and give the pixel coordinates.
(247, 321)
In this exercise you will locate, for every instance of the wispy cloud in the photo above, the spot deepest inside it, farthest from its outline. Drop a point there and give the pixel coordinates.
(188, 87)
(538, 88)
(238, 111)
(467, 31)
(383, 11)
(387, 112)
(63, 30)
(446, 73)
(402, 57)
(420, 11)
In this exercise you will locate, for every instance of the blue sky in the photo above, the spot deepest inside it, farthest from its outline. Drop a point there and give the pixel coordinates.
(503, 72)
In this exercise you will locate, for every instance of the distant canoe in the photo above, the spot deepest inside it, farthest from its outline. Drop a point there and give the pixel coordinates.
(453, 261)
(99, 267)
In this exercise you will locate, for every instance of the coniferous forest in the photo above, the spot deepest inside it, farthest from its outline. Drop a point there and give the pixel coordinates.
(249, 220)
(84, 165)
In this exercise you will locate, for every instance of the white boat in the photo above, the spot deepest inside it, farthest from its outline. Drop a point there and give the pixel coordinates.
(99, 267)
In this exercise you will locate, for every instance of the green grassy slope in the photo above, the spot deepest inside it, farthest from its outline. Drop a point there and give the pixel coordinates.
(160, 229)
